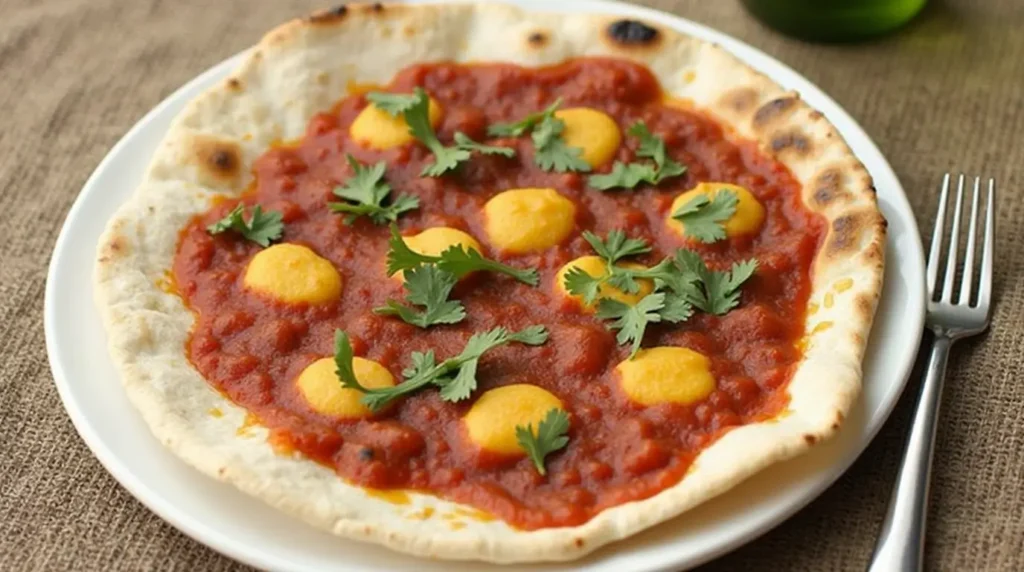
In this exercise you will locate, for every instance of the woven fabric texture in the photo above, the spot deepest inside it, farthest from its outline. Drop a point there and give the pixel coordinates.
(945, 93)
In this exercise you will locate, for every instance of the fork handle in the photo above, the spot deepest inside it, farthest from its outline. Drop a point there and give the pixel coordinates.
(900, 546)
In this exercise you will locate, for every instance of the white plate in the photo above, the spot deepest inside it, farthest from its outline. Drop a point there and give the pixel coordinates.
(244, 528)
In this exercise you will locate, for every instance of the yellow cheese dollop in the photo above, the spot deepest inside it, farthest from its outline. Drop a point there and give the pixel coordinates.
(593, 131)
(525, 220)
(596, 266)
(320, 386)
(293, 273)
(380, 130)
(747, 219)
(666, 375)
(492, 420)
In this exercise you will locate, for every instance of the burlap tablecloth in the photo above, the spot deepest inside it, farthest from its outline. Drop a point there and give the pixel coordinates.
(945, 93)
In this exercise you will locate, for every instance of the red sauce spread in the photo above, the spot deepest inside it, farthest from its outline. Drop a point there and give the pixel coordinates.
(252, 349)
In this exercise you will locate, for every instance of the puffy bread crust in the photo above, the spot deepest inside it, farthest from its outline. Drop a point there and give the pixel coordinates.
(301, 68)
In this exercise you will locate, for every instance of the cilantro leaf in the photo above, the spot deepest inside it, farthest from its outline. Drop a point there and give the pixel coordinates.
(261, 228)
(415, 109)
(616, 246)
(343, 362)
(550, 151)
(377, 398)
(623, 175)
(550, 437)
(463, 384)
(713, 292)
(421, 364)
(631, 321)
(613, 248)
(703, 218)
(579, 283)
(523, 125)
(654, 148)
(430, 287)
(394, 104)
(367, 189)
(669, 170)
(677, 308)
(463, 141)
(456, 259)
(418, 118)
(681, 283)
(722, 288)
(629, 175)
(456, 376)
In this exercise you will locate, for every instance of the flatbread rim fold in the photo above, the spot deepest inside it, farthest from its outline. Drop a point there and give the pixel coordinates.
(303, 67)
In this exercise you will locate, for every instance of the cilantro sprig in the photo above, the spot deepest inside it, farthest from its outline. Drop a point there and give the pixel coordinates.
(682, 282)
(366, 190)
(525, 124)
(612, 249)
(456, 259)
(703, 218)
(550, 150)
(455, 376)
(415, 109)
(629, 175)
(550, 437)
(427, 286)
(396, 104)
(463, 141)
(631, 321)
(261, 228)
(714, 292)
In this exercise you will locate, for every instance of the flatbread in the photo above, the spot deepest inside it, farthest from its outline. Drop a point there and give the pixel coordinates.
(303, 67)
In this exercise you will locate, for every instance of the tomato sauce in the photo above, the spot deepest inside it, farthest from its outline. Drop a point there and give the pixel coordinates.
(251, 349)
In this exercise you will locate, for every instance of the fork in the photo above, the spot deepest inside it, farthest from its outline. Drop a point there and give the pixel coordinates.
(900, 546)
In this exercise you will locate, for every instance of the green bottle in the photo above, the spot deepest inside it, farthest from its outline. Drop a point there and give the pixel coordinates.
(834, 20)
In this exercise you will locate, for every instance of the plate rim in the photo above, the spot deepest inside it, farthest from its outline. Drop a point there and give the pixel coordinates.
(778, 71)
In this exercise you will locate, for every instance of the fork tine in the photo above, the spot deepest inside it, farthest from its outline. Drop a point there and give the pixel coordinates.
(985, 288)
(968, 279)
(954, 243)
(936, 249)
